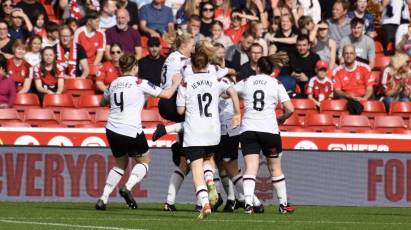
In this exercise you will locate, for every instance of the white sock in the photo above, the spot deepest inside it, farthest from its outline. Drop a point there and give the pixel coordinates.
(228, 187)
(238, 183)
(208, 173)
(137, 174)
(256, 201)
(280, 188)
(202, 195)
(248, 187)
(176, 179)
(174, 128)
(113, 177)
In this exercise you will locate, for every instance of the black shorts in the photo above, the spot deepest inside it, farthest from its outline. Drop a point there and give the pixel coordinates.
(253, 142)
(168, 109)
(197, 152)
(227, 149)
(121, 145)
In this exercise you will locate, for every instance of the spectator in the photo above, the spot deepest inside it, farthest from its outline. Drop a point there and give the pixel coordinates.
(222, 12)
(207, 18)
(289, 8)
(72, 23)
(110, 70)
(18, 69)
(188, 9)
(353, 79)
(39, 27)
(404, 40)
(302, 63)
(67, 8)
(30, 7)
(174, 5)
(141, 3)
(269, 37)
(306, 26)
(360, 11)
(394, 13)
(33, 57)
(311, 8)
(237, 54)
(218, 35)
(21, 26)
(151, 65)
(339, 24)
(5, 12)
(364, 45)
(257, 28)
(325, 46)
(257, 9)
(47, 78)
(156, 18)
(52, 37)
(219, 58)
(132, 9)
(7, 86)
(395, 80)
(128, 38)
(250, 67)
(93, 41)
(193, 27)
(108, 14)
(286, 37)
(320, 87)
(6, 43)
(71, 57)
(236, 30)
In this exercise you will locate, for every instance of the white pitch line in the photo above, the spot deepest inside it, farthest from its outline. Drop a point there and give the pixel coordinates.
(211, 220)
(66, 225)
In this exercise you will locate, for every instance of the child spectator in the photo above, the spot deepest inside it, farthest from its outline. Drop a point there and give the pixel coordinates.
(39, 25)
(236, 30)
(33, 57)
(218, 35)
(269, 36)
(320, 87)
(47, 78)
(52, 37)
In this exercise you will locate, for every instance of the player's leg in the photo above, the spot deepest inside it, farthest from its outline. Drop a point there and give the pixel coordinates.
(162, 130)
(176, 179)
(209, 169)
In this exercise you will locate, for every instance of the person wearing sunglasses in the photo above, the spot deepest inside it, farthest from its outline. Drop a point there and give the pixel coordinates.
(207, 18)
(5, 11)
(109, 71)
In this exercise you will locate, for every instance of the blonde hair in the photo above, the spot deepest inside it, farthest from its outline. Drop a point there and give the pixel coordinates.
(190, 8)
(279, 59)
(177, 38)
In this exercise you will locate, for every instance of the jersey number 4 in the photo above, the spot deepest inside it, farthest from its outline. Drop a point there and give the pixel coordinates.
(258, 103)
(206, 98)
(119, 102)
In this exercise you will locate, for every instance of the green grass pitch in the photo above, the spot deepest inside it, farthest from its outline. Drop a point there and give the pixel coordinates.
(56, 215)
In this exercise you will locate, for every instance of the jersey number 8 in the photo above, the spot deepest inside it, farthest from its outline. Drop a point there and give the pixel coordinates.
(258, 103)
(207, 99)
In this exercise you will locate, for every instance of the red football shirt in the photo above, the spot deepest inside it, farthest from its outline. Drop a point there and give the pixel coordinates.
(320, 89)
(18, 73)
(107, 73)
(236, 35)
(91, 42)
(353, 82)
(48, 80)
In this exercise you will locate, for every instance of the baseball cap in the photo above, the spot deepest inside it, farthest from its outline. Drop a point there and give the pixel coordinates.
(153, 41)
(321, 65)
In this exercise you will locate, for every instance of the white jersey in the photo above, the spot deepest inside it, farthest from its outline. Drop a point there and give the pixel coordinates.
(226, 109)
(216, 70)
(200, 94)
(173, 65)
(126, 96)
(261, 94)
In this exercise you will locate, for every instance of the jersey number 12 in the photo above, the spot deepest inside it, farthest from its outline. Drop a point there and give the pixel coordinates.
(206, 98)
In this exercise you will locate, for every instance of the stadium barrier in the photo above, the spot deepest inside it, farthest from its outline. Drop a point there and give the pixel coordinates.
(37, 173)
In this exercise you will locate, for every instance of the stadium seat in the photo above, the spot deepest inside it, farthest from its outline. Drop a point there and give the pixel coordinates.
(319, 122)
(9, 115)
(381, 61)
(77, 87)
(405, 131)
(152, 102)
(389, 124)
(150, 118)
(377, 77)
(375, 131)
(15, 124)
(57, 102)
(351, 123)
(72, 117)
(292, 122)
(298, 129)
(400, 108)
(302, 107)
(335, 108)
(379, 49)
(101, 117)
(89, 102)
(26, 101)
(90, 125)
(373, 108)
(38, 117)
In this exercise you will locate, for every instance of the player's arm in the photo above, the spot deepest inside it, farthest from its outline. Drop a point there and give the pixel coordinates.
(106, 98)
(236, 120)
(181, 110)
(169, 92)
(287, 104)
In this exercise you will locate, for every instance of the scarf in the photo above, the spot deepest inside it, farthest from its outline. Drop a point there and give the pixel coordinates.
(67, 63)
(75, 10)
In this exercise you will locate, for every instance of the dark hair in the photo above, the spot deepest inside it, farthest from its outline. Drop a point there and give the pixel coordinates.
(153, 42)
(304, 20)
(116, 44)
(52, 27)
(355, 21)
(216, 22)
(255, 44)
(194, 17)
(92, 15)
(32, 38)
(127, 62)
(3, 62)
(71, 20)
(43, 65)
(265, 65)
(345, 4)
(203, 4)
(249, 33)
(302, 37)
(36, 15)
(199, 60)
(219, 45)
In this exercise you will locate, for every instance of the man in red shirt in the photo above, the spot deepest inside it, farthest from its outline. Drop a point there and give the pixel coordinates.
(93, 40)
(353, 80)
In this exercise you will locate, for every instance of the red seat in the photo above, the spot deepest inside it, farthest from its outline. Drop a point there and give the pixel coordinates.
(373, 108)
(37, 117)
(351, 123)
(90, 102)
(150, 118)
(298, 129)
(15, 124)
(26, 101)
(9, 115)
(78, 87)
(101, 117)
(319, 122)
(406, 131)
(89, 125)
(381, 61)
(389, 124)
(377, 77)
(302, 107)
(72, 117)
(335, 108)
(292, 122)
(152, 102)
(375, 131)
(56, 102)
(379, 49)
(400, 108)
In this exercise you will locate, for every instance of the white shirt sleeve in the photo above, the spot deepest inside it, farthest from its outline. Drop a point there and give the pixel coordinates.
(149, 88)
(223, 85)
(181, 99)
(282, 94)
(221, 72)
(239, 87)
